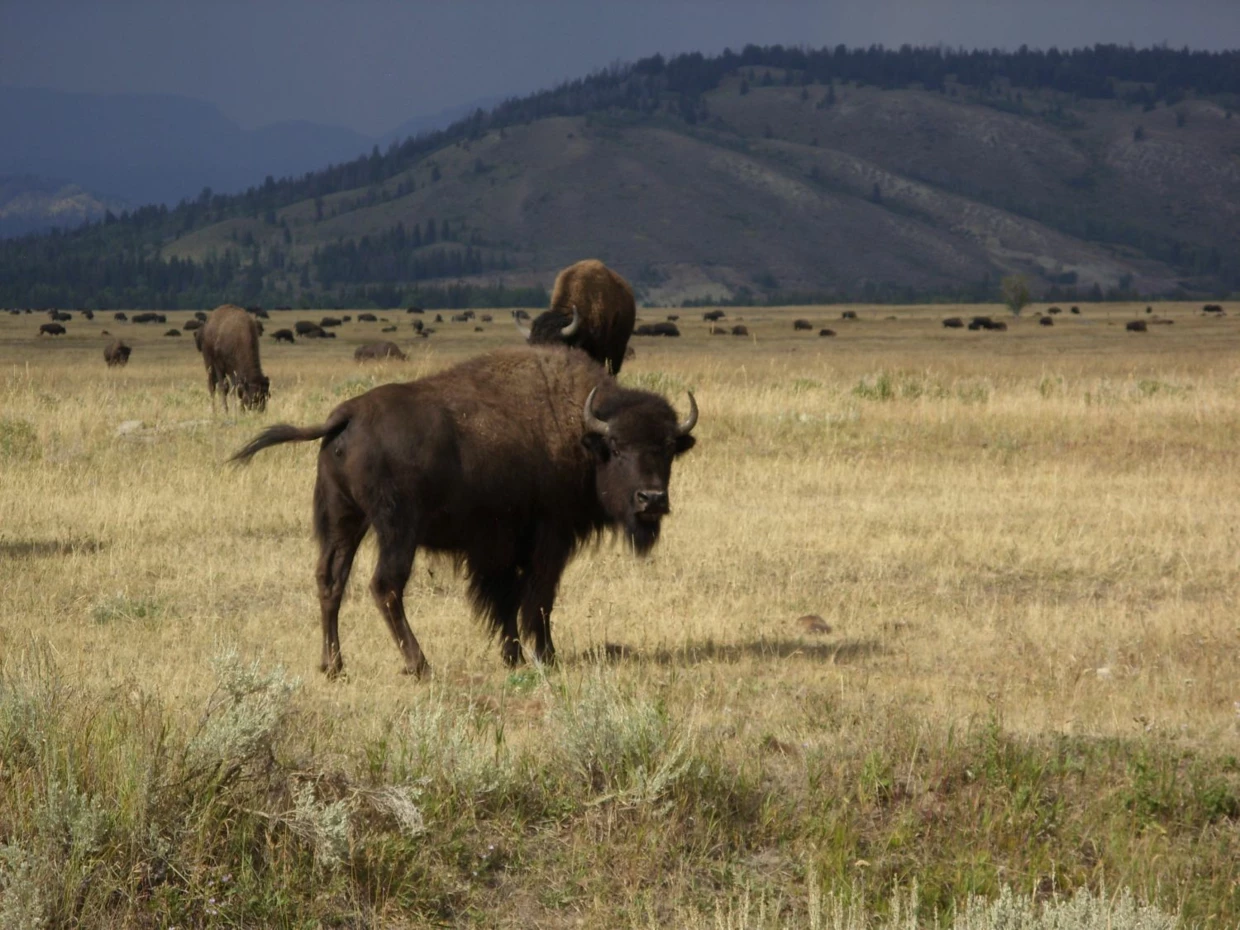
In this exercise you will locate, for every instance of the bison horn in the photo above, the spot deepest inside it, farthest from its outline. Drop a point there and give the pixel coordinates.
(568, 331)
(525, 332)
(593, 423)
(685, 427)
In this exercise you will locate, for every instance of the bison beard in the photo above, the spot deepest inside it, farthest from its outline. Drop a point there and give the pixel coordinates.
(510, 461)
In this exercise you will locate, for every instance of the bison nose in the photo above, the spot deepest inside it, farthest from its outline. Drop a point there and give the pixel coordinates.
(652, 501)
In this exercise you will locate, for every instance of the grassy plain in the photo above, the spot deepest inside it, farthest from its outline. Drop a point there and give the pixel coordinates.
(1026, 547)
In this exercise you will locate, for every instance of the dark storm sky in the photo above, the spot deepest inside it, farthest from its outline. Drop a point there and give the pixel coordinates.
(370, 64)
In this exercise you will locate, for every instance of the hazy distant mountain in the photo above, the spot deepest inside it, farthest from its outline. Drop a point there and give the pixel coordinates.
(146, 148)
(32, 204)
(435, 121)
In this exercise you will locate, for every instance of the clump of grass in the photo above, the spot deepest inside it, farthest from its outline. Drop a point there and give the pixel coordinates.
(121, 608)
(18, 440)
(352, 387)
(659, 382)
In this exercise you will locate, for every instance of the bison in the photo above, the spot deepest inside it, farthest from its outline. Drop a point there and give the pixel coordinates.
(1053, 310)
(282, 335)
(51, 329)
(367, 318)
(89, 314)
(593, 309)
(119, 316)
(510, 461)
(192, 325)
(1076, 310)
(1136, 326)
(806, 325)
(329, 321)
(848, 315)
(740, 330)
(306, 328)
(415, 310)
(1046, 321)
(713, 316)
(953, 322)
(230, 352)
(149, 318)
(173, 332)
(388, 329)
(826, 332)
(116, 354)
(378, 351)
(59, 316)
(657, 329)
(200, 316)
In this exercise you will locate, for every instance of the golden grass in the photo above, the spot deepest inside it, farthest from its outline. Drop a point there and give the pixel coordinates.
(1038, 527)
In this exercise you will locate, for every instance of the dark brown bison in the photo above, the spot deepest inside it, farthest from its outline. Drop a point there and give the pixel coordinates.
(367, 318)
(329, 321)
(1046, 321)
(711, 316)
(826, 332)
(1076, 310)
(230, 352)
(740, 329)
(806, 325)
(200, 315)
(460, 318)
(601, 302)
(191, 325)
(173, 332)
(59, 316)
(657, 329)
(486, 318)
(378, 352)
(719, 330)
(953, 322)
(1136, 326)
(149, 318)
(89, 314)
(1212, 308)
(303, 327)
(282, 335)
(116, 354)
(120, 316)
(511, 461)
(51, 329)
(415, 310)
(848, 315)
(1053, 310)
(388, 329)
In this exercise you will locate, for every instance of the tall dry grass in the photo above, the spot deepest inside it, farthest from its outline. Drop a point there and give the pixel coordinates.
(1024, 545)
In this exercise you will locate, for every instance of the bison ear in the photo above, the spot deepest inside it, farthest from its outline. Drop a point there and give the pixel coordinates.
(599, 446)
(684, 444)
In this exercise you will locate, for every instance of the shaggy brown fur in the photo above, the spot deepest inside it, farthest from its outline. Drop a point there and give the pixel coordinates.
(230, 352)
(378, 351)
(117, 353)
(604, 302)
(496, 461)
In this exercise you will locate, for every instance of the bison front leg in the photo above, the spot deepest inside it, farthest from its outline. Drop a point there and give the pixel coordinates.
(396, 550)
(497, 595)
(543, 580)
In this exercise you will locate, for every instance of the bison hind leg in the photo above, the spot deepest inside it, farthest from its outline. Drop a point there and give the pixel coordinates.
(339, 526)
(398, 542)
(496, 596)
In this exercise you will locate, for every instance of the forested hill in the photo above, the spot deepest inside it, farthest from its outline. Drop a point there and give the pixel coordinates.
(769, 174)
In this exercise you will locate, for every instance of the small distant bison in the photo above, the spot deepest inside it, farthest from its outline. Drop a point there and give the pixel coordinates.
(1046, 321)
(367, 318)
(149, 318)
(173, 332)
(59, 316)
(116, 354)
(712, 316)
(191, 325)
(89, 314)
(740, 329)
(200, 316)
(1212, 308)
(120, 317)
(51, 329)
(1136, 326)
(415, 310)
(848, 315)
(378, 351)
(657, 329)
(329, 321)
(826, 332)
(1053, 310)
(806, 325)
(282, 335)
(305, 328)
(953, 322)
(388, 329)
(230, 352)
(1076, 310)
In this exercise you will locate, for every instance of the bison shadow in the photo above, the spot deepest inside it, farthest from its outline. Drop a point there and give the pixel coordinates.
(841, 652)
(45, 548)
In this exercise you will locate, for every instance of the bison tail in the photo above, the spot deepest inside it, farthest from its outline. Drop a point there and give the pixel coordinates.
(284, 432)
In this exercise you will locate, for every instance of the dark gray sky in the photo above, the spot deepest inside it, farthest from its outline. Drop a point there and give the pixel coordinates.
(371, 64)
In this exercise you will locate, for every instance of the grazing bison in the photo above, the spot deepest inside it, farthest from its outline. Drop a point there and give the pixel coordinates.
(367, 318)
(120, 316)
(806, 325)
(415, 310)
(460, 318)
(200, 315)
(89, 314)
(282, 335)
(826, 332)
(378, 351)
(418, 326)
(740, 330)
(511, 461)
(953, 322)
(258, 312)
(438, 317)
(388, 329)
(173, 332)
(1053, 310)
(657, 329)
(59, 316)
(713, 316)
(999, 327)
(486, 318)
(191, 325)
(305, 327)
(149, 318)
(51, 329)
(1076, 310)
(719, 330)
(1136, 326)
(848, 315)
(116, 354)
(1216, 309)
(1046, 321)
(593, 309)
(230, 352)
(673, 317)
(329, 321)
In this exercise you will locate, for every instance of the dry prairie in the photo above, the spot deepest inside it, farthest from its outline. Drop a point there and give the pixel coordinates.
(1034, 530)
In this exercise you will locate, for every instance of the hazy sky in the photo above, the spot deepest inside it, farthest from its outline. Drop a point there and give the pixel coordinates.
(371, 64)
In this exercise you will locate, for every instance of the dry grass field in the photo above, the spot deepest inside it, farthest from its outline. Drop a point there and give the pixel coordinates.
(1024, 548)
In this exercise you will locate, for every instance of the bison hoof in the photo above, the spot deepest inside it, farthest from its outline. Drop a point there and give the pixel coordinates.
(332, 670)
(421, 670)
(511, 651)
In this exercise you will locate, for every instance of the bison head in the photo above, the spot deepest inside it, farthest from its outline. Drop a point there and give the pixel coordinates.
(552, 327)
(634, 437)
(253, 393)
